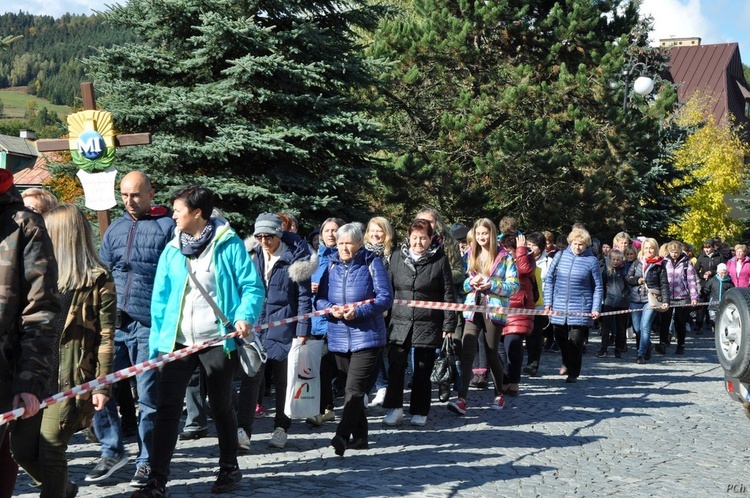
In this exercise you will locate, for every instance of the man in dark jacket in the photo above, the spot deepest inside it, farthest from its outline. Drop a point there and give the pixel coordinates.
(28, 305)
(130, 249)
(706, 266)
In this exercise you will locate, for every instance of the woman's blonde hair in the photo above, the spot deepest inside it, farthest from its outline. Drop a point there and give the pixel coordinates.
(675, 245)
(44, 196)
(390, 234)
(476, 262)
(742, 247)
(580, 235)
(73, 246)
(652, 242)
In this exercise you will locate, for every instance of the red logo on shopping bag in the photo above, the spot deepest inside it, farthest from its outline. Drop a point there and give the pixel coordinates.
(305, 387)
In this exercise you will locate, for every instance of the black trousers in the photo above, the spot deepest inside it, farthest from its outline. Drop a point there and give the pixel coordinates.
(251, 392)
(421, 387)
(173, 382)
(535, 341)
(358, 367)
(614, 329)
(510, 349)
(681, 317)
(570, 340)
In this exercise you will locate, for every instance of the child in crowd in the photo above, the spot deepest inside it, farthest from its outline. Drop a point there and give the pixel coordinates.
(616, 298)
(716, 287)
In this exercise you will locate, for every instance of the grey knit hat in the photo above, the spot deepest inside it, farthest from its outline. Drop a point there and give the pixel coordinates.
(268, 223)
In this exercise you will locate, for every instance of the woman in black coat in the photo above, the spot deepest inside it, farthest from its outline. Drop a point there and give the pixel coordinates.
(422, 272)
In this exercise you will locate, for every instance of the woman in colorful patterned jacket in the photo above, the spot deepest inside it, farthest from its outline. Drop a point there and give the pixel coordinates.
(492, 279)
(85, 329)
(683, 289)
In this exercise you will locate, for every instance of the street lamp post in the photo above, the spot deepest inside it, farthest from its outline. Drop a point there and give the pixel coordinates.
(643, 85)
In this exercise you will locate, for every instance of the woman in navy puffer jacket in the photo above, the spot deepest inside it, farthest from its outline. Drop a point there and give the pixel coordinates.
(355, 334)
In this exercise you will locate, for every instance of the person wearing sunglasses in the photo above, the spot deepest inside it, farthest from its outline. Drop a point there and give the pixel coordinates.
(286, 265)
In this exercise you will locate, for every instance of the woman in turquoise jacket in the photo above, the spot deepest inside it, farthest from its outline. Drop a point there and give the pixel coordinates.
(181, 316)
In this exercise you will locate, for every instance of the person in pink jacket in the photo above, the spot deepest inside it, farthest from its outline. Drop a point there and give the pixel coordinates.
(739, 267)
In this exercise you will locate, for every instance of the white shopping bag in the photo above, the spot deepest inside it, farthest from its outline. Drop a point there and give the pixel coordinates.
(303, 379)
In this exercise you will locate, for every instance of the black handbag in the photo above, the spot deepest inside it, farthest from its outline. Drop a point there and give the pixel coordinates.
(447, 368)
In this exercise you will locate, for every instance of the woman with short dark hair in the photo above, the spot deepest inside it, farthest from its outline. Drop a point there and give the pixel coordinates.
(209, 249)
(418, 272)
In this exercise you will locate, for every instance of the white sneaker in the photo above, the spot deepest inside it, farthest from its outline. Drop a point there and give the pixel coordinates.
(419, 420)
(394, 416)
(243, 439)
(379, 397)
(278, 439)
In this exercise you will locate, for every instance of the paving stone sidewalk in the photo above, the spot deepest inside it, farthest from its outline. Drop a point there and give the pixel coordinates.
(665, 428)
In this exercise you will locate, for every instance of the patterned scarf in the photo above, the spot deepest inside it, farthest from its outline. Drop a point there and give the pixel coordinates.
(191, 246)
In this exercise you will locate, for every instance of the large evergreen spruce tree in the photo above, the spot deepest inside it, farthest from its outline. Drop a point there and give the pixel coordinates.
(255, 99)
(516, 107)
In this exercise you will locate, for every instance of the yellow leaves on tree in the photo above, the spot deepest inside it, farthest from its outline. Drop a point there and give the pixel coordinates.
(714, 155)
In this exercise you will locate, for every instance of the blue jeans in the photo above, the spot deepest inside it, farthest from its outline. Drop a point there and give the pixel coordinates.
(131, 348)
(108, 429)
(642, 321)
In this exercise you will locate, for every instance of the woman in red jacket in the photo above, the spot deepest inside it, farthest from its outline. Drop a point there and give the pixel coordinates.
(517, 327)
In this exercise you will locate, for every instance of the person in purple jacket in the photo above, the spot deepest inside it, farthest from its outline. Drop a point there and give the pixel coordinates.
(683, 289)
(356, 335)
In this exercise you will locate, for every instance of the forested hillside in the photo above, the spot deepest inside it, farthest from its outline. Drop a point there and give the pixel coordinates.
(47, 58)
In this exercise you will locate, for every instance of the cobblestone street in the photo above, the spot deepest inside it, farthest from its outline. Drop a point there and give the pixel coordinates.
(665, 428)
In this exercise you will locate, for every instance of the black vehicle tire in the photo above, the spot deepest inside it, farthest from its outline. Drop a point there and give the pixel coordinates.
(733, 333)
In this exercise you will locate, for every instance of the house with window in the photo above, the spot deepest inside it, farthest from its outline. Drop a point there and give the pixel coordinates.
(20, 156)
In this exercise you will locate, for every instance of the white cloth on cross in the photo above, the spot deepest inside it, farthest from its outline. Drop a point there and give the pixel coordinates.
(99, 189)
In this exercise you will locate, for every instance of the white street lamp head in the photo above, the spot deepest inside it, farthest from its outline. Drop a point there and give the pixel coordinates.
(643, 85)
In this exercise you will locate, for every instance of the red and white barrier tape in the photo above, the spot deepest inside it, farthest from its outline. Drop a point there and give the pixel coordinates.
(181, 353)
(435, 305)
(126, 373)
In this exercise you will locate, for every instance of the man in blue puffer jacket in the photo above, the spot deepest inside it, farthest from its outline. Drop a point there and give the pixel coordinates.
(130, 249)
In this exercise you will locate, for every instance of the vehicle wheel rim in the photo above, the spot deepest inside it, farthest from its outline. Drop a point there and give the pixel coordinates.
(729, 328)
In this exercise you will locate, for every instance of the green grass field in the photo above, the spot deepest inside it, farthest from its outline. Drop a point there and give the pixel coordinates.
(14, 103)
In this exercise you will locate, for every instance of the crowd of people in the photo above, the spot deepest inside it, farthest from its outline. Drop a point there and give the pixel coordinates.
(167, 278)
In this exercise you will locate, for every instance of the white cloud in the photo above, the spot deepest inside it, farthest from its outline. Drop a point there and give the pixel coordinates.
(53, 8)
(678, 19)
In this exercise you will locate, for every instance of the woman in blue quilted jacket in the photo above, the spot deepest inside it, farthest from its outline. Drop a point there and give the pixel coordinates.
(573, 289)
(356, 335)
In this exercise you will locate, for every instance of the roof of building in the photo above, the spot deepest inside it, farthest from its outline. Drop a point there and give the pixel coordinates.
(715, 70)
(34, 176)
(18, 145)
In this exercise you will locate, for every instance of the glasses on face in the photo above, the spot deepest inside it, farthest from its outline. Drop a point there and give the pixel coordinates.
(707, 247)
(266, 236)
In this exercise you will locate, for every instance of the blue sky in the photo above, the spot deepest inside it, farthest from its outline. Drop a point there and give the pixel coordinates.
(714, 21)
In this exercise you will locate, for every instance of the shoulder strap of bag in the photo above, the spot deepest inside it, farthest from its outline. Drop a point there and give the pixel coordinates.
(221, 316)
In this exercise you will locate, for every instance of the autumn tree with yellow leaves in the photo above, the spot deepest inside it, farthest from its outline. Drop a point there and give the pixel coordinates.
(713, 159)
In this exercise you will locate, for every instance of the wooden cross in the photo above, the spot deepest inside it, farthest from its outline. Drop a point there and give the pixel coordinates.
(61, 144)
